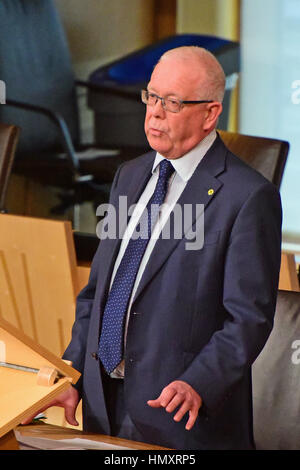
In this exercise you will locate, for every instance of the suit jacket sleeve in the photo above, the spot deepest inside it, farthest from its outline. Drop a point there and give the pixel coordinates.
(250, 289)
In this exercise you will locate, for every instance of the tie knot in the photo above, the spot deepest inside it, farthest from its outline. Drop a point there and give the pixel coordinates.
(165, 169)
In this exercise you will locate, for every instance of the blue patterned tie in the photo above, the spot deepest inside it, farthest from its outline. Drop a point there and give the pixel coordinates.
(111, 339)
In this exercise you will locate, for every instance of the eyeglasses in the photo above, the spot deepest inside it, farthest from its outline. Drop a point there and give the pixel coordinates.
(169, 104)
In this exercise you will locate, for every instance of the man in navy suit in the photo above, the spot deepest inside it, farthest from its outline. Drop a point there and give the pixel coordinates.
(197, 317)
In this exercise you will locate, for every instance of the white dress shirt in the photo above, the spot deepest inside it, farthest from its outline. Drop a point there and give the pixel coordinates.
(184, 168)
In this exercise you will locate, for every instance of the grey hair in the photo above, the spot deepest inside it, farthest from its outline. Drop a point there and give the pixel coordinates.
(214, 87)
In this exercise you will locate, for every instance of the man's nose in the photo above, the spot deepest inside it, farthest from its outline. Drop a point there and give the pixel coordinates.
(158, 109)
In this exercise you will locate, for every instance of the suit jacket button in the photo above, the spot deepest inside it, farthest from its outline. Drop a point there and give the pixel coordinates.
(94, 356)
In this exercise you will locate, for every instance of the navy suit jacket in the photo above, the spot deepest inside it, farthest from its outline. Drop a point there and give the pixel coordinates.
(203, 315)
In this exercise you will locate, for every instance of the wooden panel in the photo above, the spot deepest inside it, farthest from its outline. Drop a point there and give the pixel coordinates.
(18, 348)
(39, 284)
(38, 278)
(20, 396)
(164, 18)
(288, 279)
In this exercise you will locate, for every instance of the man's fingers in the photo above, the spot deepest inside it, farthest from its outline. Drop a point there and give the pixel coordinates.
(154, 403)
(192, 419)
(164, 398)
(68, 400)
(186, 406)
(182, 410)
(70, 415)
(179, 393)
(175, 402)
(31, 417)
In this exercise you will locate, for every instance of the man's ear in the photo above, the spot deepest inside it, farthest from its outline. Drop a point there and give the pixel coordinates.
(213, 112)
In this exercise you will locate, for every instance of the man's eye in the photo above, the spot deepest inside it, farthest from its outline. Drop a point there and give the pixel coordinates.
(151, 95)
(171, 101)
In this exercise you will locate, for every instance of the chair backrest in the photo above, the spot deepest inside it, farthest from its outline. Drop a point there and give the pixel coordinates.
(267, 156)
(276, 379)
(9, 136)
(35, 65)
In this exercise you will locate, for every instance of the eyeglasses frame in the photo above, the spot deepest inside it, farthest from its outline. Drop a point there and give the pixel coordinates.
(181, 102)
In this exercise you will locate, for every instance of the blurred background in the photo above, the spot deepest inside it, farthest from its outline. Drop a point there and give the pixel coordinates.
(73, 71)
(260, 40)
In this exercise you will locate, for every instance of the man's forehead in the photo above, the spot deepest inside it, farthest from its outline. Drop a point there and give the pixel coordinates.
(176, 76)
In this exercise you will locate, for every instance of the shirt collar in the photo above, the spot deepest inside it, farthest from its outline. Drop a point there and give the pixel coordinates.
(186, 165)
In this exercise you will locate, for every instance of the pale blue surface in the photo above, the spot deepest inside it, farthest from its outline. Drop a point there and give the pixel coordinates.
(270, 89)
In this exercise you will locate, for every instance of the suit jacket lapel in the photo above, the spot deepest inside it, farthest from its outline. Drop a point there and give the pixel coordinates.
(201, 189)
(110, 247)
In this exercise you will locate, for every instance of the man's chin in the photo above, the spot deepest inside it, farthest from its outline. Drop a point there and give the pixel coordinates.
(157, 144)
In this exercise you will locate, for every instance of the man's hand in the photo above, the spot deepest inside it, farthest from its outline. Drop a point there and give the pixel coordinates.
(67, 400)
(179, 393)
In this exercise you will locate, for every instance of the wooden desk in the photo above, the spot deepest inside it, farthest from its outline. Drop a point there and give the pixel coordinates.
(48, 431)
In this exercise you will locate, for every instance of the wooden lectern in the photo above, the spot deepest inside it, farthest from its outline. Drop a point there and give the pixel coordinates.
(30, 378)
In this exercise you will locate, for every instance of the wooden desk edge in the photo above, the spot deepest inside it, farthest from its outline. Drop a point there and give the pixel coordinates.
(49, 431)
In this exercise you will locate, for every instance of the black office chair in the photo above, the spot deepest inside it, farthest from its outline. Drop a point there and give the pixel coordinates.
(9, 136)
(276, 378)
(41, 100)
(267, 156)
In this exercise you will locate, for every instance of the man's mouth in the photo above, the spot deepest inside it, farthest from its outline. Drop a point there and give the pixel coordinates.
(155, 132)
